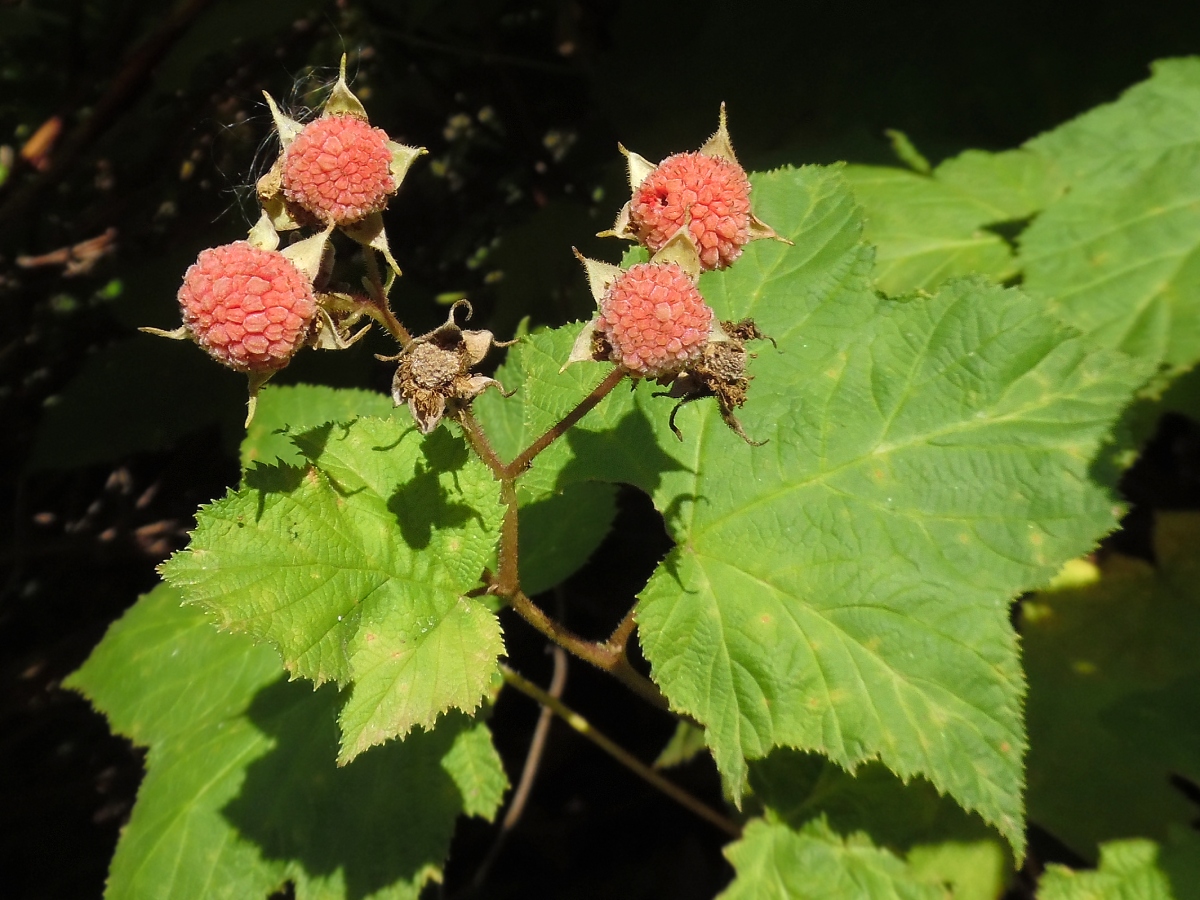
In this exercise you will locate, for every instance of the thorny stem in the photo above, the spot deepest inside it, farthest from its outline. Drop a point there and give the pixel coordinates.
(602, 390)
(620, 754)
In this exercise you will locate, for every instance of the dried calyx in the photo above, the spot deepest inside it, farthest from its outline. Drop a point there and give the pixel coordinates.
(720, 372)
(433, 376)
(707, 192)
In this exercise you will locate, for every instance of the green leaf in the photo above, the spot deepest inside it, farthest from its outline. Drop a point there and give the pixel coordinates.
(685, 743)
(158, 652)
(845, 587)
(941, 843)
(241, 792)
(1015, 184)
(293, 409)
(1129, 870)
(926, 231)
(1122, 262)
(560, 532)
(357, 570)
(1114, 689)
(477, 771)
(775, 863)
(1159, 114)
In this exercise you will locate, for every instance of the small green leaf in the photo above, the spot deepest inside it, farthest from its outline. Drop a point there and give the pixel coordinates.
(1114, 689)
(241, 792)
(685, 743)
(906, 151)
(1129, 870)
(357, 571)
(284, 411)
(775, 863)
(477, 771)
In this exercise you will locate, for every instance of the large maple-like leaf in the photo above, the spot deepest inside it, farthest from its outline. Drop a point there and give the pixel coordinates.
(845, 587)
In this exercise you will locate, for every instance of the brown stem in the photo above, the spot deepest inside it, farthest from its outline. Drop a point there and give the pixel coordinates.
(599, 655)
(476, 437)
(508, 578)
(533, 759)
(602, 390)
(620, 754)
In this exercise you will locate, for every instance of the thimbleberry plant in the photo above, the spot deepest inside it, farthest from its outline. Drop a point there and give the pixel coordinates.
(929, 427)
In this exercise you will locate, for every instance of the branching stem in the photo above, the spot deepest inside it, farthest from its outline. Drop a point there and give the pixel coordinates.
(620, 754)
(586, 405)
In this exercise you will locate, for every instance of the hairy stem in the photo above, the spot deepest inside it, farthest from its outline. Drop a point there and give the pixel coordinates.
(620, 754)
(619, 639)
(381, 310)
(602, 390)
(478, 441)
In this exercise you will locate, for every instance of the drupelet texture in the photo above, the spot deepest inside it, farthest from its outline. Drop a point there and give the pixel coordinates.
(338, 168)
(714, 192)
(250, 309)
(654, 319)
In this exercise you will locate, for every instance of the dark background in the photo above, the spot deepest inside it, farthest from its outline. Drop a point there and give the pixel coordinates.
(111, 439)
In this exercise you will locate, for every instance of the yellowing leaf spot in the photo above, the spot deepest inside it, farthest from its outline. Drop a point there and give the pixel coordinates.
(1083, 667)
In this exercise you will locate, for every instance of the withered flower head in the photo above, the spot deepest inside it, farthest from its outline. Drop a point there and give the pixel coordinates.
(434, 370)
(706, 191)
(720, 372)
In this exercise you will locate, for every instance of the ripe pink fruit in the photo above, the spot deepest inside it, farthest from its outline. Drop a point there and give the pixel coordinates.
(339, 168)
(714, 191)
(654, 319)
(250, 309)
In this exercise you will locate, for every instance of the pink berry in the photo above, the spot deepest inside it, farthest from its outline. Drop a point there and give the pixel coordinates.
(250, 309)
(339, 169)
(654, 319)
(714, 191)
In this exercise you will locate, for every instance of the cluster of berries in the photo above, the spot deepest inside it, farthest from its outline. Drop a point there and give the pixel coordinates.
(692, 212)
(251, 305)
